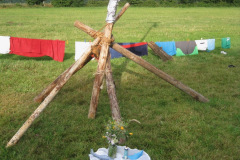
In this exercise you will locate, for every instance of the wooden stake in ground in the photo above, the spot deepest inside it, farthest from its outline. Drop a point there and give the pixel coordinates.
(50, 97)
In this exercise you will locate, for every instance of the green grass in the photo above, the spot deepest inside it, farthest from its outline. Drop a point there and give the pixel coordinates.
(174, 126)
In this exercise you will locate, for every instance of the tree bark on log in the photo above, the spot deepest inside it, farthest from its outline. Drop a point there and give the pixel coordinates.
(159, 73)
(100, 71)
(50, 97)
(116, 115)
(158, 51)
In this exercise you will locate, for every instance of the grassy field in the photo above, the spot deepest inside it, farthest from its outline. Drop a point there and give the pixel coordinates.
(173, 125)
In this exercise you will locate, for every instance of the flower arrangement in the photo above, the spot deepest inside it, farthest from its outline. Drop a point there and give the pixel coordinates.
(116, 132)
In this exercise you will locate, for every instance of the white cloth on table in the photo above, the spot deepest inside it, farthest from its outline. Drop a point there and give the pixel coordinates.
(4, 44)
(80, 48)
(120, 153)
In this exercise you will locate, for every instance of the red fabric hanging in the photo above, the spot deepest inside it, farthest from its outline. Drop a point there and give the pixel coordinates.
(37, 48)
(134, 45)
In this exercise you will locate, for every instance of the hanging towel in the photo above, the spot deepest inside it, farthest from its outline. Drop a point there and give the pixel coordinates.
(4, 44)
(202, 45)
(80, 48)
(210, 44)
(139, 49)
(186, 48)
(226, 43)
(168, 47)
(37, 48)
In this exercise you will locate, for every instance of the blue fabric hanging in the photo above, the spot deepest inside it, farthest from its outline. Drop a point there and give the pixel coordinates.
(168, 47)
(211, 45)
(139, 49)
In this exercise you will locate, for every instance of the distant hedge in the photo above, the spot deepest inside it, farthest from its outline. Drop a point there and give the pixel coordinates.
(68, 3)
(33, 2)
(138, 3)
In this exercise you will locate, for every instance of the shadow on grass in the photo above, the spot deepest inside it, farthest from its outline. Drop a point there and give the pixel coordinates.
(154, 25)
(123, 68)
(44, 58)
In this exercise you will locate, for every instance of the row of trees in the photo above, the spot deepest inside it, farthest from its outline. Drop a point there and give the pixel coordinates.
(152, 3)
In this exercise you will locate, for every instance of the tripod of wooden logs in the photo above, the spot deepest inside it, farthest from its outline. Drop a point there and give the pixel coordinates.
(100, 48)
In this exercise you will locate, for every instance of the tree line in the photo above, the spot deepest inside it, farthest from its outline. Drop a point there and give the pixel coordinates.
(140, 3)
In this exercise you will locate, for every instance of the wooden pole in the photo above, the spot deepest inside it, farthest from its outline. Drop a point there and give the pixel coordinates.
(158, 51)
(121, 12)
(116, 115)
(94, 34)
(159, 73)
(39, 98)
(100, 71)
(50, 97)
(156, 71)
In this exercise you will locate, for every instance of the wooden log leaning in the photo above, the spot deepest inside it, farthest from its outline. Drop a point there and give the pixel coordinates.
(156, 71)
(121, 12)
(168, 57)
(95, 34)
(100, 70)
(39, 98)
(50, 97)
(116, 115)
(156, 51)
(159, 73)
(159, 52)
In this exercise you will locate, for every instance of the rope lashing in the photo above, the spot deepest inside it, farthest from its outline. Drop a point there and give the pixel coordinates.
(96, 34)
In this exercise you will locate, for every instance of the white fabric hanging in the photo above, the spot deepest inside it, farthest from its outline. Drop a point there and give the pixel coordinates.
(4, 44)
(202, 45)
(80, 48)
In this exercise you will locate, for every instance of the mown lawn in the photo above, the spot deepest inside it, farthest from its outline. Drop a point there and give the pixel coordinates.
(173, 125)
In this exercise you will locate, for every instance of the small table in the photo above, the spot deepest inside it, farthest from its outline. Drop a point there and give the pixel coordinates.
(120, 153)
